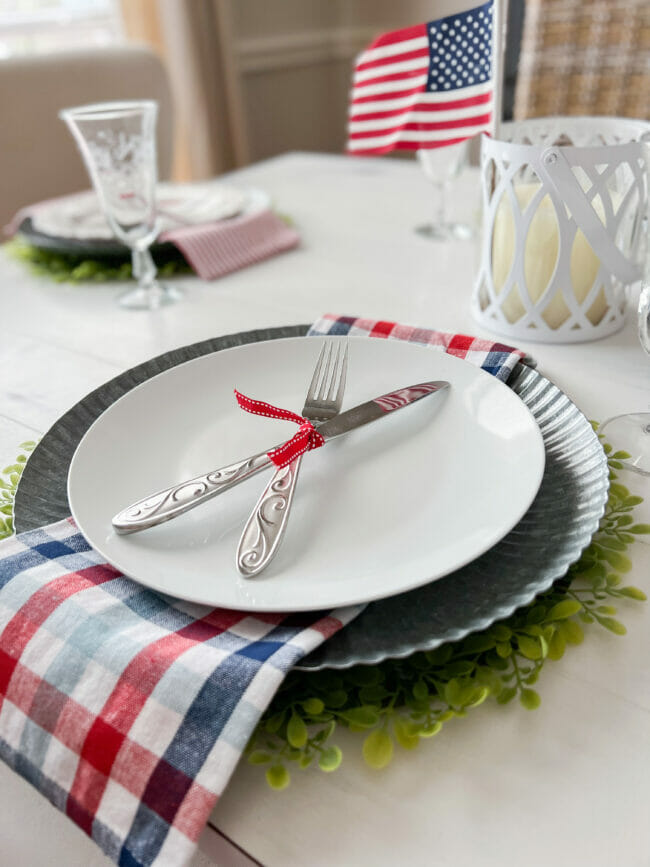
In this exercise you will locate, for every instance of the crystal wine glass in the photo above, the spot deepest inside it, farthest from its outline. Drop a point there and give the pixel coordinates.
(117, 141)
(441, 167)
(631, 431)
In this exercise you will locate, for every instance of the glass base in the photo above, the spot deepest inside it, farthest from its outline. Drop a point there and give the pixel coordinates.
(445, 231)
(630, 433)
(150, 297)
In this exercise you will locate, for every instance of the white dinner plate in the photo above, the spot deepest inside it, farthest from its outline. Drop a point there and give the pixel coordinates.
(80, 216)
(385, 509)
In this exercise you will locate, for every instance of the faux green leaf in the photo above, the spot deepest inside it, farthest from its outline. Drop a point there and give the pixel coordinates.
(530, 647)
(278, 777)
(273, 723)
(536, 614)
(364, 717)
(259, 757)
(530, 699)
(617, 560)
(378, 749)
(440, 655)
(297, 731)
(404, 734)
(564, 609)
(430, 730)
(420, 690)
(633, 593)
(556, 645)
(330, 759)
(313, 705)
(373, 694)
(453, 693)
(325, 733)
(336, 698)
(613, 544)
(613, 625)
(472, 695)
(506, 695)
(462, 668)
(501, 632)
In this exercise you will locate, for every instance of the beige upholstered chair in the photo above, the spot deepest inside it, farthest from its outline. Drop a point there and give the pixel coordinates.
(38, 157)
(589, 57)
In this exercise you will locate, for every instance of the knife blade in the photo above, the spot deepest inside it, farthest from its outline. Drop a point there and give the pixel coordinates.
(171, 502)
(377, 408)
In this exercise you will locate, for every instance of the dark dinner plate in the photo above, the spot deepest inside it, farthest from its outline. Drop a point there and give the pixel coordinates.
(92, 248)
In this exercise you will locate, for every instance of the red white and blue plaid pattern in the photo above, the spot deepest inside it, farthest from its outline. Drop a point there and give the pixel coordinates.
(129, 710)
(495, 358)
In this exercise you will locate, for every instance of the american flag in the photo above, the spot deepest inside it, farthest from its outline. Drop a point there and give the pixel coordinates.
(425, 86)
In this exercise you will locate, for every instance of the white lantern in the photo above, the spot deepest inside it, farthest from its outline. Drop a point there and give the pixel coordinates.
(564, 202)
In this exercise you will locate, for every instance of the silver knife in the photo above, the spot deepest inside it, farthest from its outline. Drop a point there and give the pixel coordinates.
(171, 502)
(265, 527)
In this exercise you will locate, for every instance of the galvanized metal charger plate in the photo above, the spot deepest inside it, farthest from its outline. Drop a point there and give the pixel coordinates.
(538, 551)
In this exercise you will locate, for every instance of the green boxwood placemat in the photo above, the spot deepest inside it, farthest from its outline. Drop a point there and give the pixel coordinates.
(403, 701)
(68, 268)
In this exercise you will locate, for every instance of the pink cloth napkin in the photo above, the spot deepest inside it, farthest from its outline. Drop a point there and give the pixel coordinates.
(214, 249)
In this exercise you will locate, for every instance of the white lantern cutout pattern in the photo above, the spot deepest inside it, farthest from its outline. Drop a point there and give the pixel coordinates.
(562, 227)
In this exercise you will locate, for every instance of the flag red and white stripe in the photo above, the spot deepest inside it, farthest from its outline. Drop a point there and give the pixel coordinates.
(425, 86)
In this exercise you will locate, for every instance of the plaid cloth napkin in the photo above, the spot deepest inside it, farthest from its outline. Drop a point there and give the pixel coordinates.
(495, 358)
(129, 710)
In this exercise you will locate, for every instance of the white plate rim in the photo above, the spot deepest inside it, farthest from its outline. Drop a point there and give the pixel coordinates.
(254, 200)
(254, 347)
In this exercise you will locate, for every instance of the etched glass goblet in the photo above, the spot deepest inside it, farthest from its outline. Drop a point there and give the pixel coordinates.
(117, 141)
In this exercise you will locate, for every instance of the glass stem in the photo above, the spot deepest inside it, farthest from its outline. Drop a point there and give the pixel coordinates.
(644, 315)
(440, 215)
(144, 268)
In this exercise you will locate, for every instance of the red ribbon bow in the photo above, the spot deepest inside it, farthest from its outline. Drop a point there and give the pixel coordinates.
(304, 440)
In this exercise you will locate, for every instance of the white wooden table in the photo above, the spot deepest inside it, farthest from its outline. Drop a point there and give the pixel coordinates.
(567, 784)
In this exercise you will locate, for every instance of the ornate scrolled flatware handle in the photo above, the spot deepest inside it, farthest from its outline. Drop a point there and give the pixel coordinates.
(266, 525)
(164, 505)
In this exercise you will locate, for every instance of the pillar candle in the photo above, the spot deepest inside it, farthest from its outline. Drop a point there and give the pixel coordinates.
(540, 256)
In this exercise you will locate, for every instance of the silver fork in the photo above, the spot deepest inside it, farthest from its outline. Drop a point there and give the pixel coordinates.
(268, 520)
(165, 505)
